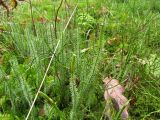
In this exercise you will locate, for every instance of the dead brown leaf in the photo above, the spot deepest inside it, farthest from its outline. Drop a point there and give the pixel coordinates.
(114, 91)
(42, 112)
(114, 41)
(104, 10)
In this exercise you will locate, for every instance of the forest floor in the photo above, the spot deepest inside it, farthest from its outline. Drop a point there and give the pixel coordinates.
(63, 53)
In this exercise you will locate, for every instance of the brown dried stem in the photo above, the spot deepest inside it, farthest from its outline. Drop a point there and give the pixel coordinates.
(5, 6)
(56, 16)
